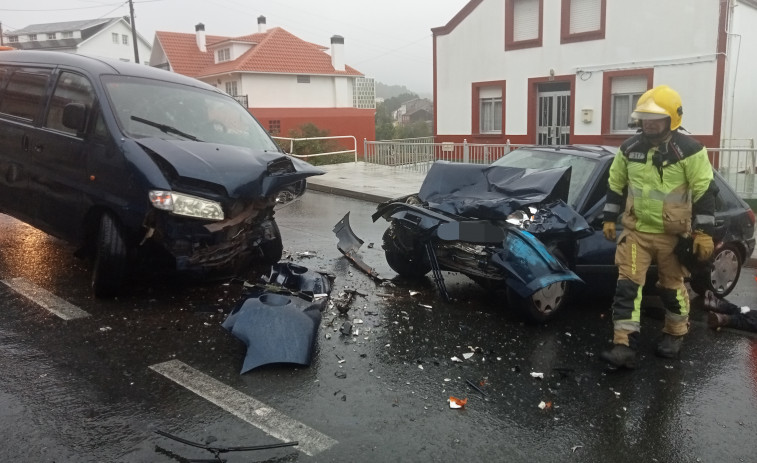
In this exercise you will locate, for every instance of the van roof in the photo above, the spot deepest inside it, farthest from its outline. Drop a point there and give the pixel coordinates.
(97, 65)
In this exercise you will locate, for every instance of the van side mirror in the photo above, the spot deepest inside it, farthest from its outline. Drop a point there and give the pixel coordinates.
(75, 117)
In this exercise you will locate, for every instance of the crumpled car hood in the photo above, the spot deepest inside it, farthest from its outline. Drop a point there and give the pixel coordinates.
(242, 171)
(490, 192)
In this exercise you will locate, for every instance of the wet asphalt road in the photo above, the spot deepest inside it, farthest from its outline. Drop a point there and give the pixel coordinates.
(89, 389)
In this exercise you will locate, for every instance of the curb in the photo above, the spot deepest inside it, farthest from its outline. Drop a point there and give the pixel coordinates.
(348, 193)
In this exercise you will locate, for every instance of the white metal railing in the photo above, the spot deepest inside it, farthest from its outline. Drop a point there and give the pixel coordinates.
(419, 154)
(293, 140)
(737, 165)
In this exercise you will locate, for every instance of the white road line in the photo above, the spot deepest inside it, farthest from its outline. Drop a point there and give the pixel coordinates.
(256, 413)
(46, 299)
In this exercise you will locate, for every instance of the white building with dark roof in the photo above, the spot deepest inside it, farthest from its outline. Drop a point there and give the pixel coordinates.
(106, 37)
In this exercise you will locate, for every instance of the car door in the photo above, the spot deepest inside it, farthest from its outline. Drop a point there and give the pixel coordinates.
(59, 154)
(21, 107)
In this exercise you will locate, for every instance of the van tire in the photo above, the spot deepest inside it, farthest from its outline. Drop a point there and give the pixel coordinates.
(109, 263)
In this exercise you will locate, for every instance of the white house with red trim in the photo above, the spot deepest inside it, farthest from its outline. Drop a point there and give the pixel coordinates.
(283, 80)
(571, 71)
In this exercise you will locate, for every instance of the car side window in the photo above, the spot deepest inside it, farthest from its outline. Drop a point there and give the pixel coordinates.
(24, 93)
(71, 88)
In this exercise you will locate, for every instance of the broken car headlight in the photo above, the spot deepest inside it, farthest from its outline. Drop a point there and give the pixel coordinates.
(522, 218)
(188, 205)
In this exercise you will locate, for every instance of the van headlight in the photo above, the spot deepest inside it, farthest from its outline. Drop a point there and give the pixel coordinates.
(188, 205)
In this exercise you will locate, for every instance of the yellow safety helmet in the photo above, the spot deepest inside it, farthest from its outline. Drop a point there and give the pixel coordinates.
(661, 101)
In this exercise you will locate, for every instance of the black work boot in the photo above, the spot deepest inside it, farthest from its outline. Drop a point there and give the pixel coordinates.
(621, 356)
(669, 346)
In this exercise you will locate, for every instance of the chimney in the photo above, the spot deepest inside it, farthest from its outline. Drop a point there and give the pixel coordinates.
(200, 36)
(337, 52)
(261, 24)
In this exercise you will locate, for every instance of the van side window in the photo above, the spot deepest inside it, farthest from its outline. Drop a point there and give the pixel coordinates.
(25, 93)
(71, 88)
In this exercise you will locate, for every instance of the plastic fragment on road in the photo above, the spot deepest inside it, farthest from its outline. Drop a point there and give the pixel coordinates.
(537, 375)
(467, 355)
(454, 402)
(456, 359)
(414, 293)
(545, 405)
(278, 320)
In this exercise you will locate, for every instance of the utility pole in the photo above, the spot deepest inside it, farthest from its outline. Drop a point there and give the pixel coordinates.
(134, 33)
(1, 35)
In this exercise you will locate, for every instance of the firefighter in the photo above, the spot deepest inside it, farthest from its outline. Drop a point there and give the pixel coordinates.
(667, 181)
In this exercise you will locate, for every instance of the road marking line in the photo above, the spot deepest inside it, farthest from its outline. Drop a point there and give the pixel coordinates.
(258, 414)
(46, 299)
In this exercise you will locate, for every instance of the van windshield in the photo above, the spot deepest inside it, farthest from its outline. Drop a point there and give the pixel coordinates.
(154, 108)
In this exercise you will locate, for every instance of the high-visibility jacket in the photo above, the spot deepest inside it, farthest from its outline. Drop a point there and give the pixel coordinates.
(670, 187)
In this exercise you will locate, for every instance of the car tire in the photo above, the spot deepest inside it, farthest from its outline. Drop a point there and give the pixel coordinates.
(272, 250)
(407, 262)
(724, 273)
(110, 258)
(541, 306)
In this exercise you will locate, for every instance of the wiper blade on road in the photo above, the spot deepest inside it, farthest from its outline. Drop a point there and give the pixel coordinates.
(165, 128)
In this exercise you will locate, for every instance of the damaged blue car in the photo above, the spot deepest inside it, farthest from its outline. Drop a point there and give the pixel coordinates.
(530, 225)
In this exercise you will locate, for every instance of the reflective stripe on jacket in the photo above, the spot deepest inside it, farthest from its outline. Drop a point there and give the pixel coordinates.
(662, 183)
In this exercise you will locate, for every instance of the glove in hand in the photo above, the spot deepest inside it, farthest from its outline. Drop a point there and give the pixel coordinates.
(703, 246)
(609, 230)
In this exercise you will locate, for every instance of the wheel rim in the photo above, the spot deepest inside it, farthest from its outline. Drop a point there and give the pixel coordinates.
(725, 270)
(547, 300)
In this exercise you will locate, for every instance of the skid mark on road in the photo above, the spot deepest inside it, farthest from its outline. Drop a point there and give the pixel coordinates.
(45, 299)
(256, 413)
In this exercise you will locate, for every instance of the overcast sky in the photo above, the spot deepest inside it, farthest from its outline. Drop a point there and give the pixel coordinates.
(389, 40)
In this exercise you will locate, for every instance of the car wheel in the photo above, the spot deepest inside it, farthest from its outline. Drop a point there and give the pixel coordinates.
(110, 258)
(406, 261)
(724, 273)
(542, 305)
(273, 249)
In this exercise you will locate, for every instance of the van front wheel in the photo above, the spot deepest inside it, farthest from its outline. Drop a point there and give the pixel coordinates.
(109, 267)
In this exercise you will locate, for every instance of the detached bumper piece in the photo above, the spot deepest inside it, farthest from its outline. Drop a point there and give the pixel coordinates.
(349, 244)
(278, 320)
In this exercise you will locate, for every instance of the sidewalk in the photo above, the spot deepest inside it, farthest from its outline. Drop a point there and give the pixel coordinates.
(376, 183)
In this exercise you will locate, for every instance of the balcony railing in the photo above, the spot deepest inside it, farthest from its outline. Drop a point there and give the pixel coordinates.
(242, 99)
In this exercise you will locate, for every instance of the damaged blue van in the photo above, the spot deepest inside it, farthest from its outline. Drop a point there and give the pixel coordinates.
(137, 165)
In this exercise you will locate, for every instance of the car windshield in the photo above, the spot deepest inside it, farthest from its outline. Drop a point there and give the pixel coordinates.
(154, 108)
(581, 173)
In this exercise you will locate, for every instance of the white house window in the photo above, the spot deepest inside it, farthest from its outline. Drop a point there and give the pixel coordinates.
(583, 20)
(525, 20)
(231, 88)
(224, 54)
(51, 36)
(12, 38)
(490, 109)
(523, 24)
(491, 115)
(303, 79)
(32, 37)
(125, 39)
(114, 36)
(68, 35)
(625, 93)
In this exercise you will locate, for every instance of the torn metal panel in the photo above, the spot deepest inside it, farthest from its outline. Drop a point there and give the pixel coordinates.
(349, 244)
